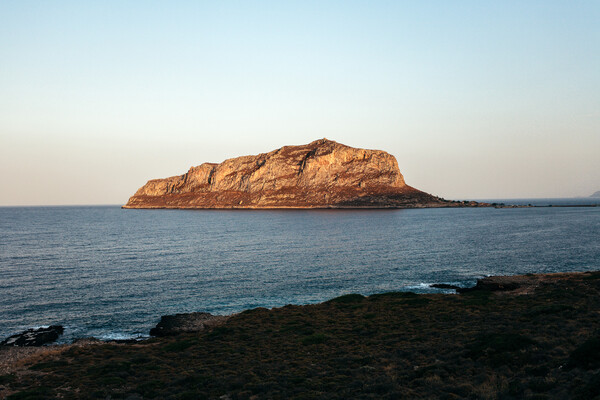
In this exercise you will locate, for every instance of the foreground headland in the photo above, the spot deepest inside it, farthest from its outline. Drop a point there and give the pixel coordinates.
(530, 336)
(321, 174)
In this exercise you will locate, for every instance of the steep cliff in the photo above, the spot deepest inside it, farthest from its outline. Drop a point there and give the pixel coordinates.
(321, 174)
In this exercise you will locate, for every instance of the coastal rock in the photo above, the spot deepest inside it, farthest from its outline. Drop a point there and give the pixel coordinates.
(321, 174)
(526, 284)
(34, 337)
(496, 284)
(515, 284)
(170, 325)
(444, 286)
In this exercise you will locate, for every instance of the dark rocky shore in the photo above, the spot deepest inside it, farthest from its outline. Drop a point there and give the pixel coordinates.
(34, 337)
(529, 336)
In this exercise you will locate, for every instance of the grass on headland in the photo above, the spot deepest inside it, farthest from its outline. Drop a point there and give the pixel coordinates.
(478, 345)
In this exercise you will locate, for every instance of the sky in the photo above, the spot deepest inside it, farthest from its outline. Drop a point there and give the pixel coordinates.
(475, 99)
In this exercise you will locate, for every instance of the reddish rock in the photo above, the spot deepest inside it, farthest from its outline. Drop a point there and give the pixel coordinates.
(321, 174)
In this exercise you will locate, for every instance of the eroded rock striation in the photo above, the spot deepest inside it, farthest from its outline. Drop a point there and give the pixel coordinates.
(321, 174)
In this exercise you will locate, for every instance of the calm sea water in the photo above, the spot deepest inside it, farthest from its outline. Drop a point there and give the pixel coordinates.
(111, 273)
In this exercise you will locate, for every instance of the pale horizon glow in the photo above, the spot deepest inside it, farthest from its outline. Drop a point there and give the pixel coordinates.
(474, 99)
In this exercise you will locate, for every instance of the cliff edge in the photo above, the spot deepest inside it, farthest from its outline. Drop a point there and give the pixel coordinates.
(321, 174)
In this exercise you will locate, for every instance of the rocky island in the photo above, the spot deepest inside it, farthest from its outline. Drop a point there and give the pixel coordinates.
(321, 174)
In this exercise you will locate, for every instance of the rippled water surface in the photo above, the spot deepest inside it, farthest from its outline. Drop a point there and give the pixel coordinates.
(111, 273)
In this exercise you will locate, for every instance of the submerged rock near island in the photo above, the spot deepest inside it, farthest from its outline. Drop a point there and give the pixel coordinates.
(321, 174)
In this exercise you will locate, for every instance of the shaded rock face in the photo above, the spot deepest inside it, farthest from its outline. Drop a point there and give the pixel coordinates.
(519, 284)
(321, 174)
(34, 337)
(493, 284)
(170, 325)
(445, 286)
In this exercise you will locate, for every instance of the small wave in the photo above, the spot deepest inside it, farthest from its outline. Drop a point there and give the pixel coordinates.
(426, 287)
(39, 327)
(419, 286)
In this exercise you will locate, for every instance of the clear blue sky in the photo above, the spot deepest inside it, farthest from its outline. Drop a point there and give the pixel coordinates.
(476, 99)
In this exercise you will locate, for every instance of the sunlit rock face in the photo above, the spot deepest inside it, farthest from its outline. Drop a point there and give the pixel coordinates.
(321, 174)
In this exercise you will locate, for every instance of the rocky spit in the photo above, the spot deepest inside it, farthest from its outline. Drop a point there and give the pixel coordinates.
(321, 174)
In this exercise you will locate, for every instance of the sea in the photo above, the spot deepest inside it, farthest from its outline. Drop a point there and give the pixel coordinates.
(111, 273)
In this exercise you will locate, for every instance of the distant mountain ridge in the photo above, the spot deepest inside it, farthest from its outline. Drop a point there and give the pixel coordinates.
(596, 195)
(321, 174)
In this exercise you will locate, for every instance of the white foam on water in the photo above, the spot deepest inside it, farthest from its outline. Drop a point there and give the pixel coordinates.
(419, 286)
(121, 336)
(426, 287)
(38, 327)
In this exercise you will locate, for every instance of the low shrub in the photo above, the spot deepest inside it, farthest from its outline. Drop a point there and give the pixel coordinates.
(393, 295)
(591, 390)
(315, 338)
(348, 298)
(4, 379)
(194, 381)
(500, 348)
(111, 381)
(417, 301)
(550, 309)
(48, 365)
(587, 355)
(297, 327)
(219, 332)
(477, 297)
(149, 389)
(178, 345)
(116, 367)
(37, 393)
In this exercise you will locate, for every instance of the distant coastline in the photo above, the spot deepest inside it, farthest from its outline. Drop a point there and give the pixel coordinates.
(546, 202)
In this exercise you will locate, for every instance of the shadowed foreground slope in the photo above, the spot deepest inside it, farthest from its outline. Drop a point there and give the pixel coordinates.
(537, 339)
(321, 174)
